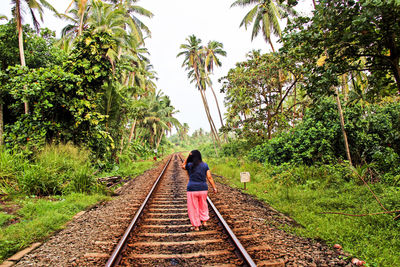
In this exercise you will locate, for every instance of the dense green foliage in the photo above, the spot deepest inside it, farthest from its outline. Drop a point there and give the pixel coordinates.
(351, 37)
(39, 49)
(256, 104)
(373, 133)
(27, 214)
(198, 140)
(305, 192)
(54, 170)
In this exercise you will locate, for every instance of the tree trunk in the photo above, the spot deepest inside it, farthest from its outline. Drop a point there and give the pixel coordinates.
(396, 72)
(159, 140)
(131, 133)
(203, 97)
(270, 43)
(21, 49)
(219, 111)
(210, 120)
(294, 105)
(346, 144)
(122, 144)
(1, 124)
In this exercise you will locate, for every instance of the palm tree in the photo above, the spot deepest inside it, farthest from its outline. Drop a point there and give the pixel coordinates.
(194, 64)
(77, 18)
(18, 11)
(156, 118)
(3, 17)
(135, 25)
(265, 16)
(183, 131)
(81, 8)
(212, 50)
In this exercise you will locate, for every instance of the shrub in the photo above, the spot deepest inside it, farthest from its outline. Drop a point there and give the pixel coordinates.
(373, 135)
(11, 166)
(58, 169)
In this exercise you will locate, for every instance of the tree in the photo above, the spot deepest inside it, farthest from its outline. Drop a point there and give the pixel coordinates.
(211, 53)
(81, 8)
(18, 11)
(252, 97)
(135, 25)
(347, 38)
(40, 52)
(194, 64)
(265, 16)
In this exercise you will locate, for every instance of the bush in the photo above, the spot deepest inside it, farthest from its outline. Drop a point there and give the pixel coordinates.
(235, 147)
(373, 135)
(58, 169)
(11, 166)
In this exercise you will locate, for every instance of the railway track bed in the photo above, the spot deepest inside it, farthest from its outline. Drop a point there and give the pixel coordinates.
(163, 236)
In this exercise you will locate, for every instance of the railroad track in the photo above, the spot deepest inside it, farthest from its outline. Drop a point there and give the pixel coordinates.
(160, 234)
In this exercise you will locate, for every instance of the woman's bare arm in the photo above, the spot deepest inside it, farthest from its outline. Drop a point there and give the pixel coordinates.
(211, 180)
(184, 164)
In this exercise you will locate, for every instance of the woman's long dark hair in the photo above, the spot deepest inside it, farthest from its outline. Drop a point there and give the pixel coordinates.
(195, 158)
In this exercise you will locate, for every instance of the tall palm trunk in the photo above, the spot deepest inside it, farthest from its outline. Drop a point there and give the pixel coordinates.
(210, 120)
(82, 10)
(206, 107)
(21, 44)
(346, 143)
(219, 112)
(216, 101)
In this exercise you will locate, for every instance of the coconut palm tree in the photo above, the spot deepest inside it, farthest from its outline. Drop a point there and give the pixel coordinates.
(157, 118)
(19, 7)
(264, 16)
(81, 10)
(211, 53)
(77, 14)
(194, 64)
(135, 26)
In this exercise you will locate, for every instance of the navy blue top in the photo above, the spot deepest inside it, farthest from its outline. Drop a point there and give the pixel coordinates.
(197, 177)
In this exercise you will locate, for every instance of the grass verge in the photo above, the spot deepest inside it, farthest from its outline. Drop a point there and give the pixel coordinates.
(304, 193)
(28, 219)
(38, 218)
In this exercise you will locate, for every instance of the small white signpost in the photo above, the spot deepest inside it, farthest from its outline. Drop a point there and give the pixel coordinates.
(245, 178)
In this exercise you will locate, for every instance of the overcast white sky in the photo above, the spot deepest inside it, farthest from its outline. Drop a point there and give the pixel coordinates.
(173, 22)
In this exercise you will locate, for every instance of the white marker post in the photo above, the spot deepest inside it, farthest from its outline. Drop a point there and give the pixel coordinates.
(245, 178)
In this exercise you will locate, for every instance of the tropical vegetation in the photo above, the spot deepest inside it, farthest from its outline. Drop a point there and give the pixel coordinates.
(315, 120)
(73, 110)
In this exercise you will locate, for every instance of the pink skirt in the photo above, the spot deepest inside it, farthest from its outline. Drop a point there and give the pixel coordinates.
(197, 207)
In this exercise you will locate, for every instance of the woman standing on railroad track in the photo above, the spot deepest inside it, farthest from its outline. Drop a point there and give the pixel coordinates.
(197, 189)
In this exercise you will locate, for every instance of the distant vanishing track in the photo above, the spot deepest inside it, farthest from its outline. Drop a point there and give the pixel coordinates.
(160, 232)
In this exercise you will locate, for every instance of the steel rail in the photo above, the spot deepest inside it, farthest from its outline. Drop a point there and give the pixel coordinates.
(116, 255)
(243, 252)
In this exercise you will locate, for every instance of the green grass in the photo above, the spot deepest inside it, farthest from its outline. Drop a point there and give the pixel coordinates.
(304, 193)
(129, 168)
(5, 218)
(39, 218)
